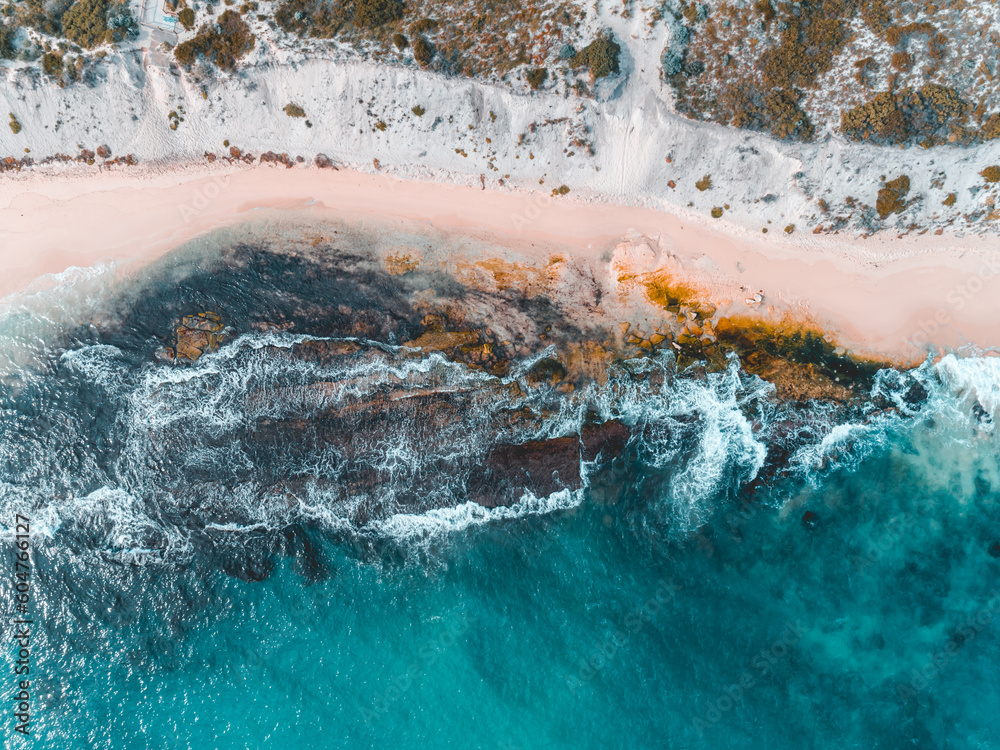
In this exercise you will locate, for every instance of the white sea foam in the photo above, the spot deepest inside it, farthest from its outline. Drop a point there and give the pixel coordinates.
(694, 432)
(695, 437)
(972, 380)
(440, 521)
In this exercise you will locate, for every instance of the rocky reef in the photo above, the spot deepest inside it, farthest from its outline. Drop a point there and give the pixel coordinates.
(193, 336)
(405, 379)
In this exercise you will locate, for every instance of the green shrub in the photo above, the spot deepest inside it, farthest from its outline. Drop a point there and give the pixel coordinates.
(705, 183)
(561, 190)
(316, 18)
(950, 200)
(423, 52)
(52, 64)
(807, 45)
(418, 110)
(991, 174)
(906, 115)
(717, 212)
(865, 68)
(877, 16)
(224, 42)
(8, 32)
(85, 23)
(789, 229)
(294, 110)
(783, 117)
(400, 41)
(991, 128)
(423, 26)
(90, 23)
(370, 14)
(186, 17)
(901, 60)
(600, 56)
(15, 126)
(536, 77)
(891, 197)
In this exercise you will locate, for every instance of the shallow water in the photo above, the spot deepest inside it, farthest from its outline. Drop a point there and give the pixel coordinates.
(182, 601)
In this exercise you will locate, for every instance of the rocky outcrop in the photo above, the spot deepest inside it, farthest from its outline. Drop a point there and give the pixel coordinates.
(196, 334)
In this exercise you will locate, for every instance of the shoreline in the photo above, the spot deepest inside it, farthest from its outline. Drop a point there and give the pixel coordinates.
(880, 297)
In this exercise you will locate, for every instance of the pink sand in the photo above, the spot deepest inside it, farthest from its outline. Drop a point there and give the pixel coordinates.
(881, 296)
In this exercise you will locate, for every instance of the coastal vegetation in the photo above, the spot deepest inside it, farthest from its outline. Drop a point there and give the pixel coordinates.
(294, 110)
(600, 57)
(423, 52)
(224, 42)
(928, 114)
(15, 126)
(792, 69)
(892, 197)
(90, 23)
(372, 14)
(536, 77)
(52, 64)
(476, 38)
(8, 35)
(186, 17)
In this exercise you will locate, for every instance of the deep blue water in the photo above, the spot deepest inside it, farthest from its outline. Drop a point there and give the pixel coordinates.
(683, 614)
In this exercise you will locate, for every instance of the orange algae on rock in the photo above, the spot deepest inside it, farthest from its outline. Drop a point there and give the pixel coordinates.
(665, 290)
(796, 356)
(494, 274)
(196, 334)
(399, 263)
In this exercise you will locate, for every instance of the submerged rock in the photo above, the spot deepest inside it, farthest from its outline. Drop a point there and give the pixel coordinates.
(196, 334)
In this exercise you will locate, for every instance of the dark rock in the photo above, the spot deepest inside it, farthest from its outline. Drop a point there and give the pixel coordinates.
(323, 162)
(104, 152)
(915, 395)
(995, 549)
(982, 416)
(547, 371)
(810, 519)
(195, 335)
(269, 157)
(251, 564)
(537, 466)
(606, 440)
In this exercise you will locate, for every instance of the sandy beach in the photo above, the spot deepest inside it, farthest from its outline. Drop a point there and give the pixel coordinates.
(881, 296)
